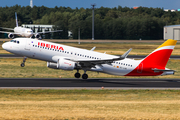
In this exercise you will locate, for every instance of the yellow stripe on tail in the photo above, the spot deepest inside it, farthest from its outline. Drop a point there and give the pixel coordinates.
(169, 42)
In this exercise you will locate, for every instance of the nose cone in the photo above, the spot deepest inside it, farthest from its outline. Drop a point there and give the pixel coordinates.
(4, 46)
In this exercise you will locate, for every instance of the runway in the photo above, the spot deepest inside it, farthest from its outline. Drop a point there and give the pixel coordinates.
(129, 56)
(97, 83)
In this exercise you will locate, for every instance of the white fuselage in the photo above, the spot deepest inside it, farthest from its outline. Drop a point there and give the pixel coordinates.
(24, 32)
(38, 49)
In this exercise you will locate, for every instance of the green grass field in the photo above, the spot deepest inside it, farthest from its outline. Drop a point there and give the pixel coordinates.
(90, 104)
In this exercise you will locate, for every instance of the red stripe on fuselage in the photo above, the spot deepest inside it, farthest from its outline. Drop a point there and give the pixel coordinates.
(157, 59)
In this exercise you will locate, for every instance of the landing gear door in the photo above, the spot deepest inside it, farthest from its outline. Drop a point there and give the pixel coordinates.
(28, 45)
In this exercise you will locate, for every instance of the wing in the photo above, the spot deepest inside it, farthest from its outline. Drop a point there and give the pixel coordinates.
(92, 63)
(10, 33)
(48, 32)
(7, 28)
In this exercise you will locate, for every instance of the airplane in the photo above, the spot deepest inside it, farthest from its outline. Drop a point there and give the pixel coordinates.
(59, 56)
(23, 32)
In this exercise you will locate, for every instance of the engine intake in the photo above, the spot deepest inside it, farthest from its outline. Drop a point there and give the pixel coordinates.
(37, 35)
(11, 35)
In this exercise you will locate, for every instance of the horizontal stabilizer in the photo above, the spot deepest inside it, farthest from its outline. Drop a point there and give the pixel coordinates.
(162, 70)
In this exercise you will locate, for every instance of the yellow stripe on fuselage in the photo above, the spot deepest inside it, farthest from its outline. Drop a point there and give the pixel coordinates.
(169, 42)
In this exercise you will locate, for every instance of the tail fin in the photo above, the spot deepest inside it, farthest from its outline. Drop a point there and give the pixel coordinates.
(160, 56)
(16, 19)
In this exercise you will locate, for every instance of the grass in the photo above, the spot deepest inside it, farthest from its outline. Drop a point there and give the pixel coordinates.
(10, 68)
(90, 104)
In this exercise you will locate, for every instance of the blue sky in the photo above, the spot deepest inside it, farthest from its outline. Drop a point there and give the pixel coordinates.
(166, 4)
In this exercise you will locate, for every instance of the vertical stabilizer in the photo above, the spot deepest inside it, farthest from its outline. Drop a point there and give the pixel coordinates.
(16, 19)
(156, 60)
(160, 56)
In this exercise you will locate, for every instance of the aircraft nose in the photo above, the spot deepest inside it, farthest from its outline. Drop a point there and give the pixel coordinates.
(4, 46)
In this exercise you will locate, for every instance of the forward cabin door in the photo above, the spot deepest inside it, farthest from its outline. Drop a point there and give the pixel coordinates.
(28, 45)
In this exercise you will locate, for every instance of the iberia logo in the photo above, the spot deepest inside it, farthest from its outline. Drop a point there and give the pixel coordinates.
(50, 46)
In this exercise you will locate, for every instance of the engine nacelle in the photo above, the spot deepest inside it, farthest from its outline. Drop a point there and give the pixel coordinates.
(65, 64)
(37, 35)
(62, 64)
(11, 35)
(52, 65)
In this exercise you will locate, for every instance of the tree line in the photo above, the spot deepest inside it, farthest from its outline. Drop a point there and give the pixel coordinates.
(110, 23)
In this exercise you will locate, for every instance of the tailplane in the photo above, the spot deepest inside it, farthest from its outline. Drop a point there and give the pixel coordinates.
(16, 19)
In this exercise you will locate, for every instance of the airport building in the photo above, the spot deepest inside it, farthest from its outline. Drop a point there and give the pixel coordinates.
(36, 27)
(172, 32)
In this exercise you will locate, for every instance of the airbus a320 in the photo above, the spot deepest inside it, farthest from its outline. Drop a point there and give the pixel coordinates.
(59, 56)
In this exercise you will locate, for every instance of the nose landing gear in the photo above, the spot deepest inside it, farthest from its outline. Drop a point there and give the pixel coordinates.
(23, 63)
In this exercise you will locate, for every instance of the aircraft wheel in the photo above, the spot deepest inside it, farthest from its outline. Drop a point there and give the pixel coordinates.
(84, 76)
(22, 64)
(77, 75)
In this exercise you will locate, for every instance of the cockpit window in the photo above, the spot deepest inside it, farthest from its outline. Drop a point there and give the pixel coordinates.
(14, 41)
(29, 31)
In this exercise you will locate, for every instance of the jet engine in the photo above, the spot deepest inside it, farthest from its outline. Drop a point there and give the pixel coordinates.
(62, 64)
(37, 36)
(11, 35)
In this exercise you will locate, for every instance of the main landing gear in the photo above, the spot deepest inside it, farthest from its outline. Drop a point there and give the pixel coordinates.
(23, 63)
(78, 75)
